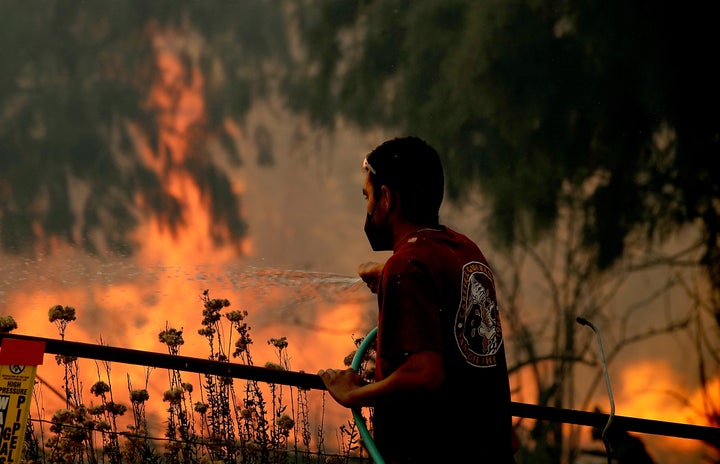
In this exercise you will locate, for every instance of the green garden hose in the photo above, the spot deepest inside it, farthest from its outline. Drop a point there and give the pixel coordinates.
(359, 420)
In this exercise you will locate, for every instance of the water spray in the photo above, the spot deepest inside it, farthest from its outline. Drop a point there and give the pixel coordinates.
(357, 415)
(606, 441)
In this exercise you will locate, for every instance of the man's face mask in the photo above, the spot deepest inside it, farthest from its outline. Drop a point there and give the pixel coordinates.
(379, 235)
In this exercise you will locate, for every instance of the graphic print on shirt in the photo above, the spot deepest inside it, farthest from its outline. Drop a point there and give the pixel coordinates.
(477, 322)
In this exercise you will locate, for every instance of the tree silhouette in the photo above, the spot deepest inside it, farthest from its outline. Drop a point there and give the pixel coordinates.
(524, 99)
(544, 286)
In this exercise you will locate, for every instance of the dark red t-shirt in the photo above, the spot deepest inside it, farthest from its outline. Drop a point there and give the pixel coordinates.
(437, 293)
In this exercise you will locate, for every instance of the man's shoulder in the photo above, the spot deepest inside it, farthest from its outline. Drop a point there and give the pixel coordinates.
(432, 247)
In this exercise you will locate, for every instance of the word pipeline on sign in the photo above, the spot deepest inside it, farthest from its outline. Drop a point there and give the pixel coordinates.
(18, 362)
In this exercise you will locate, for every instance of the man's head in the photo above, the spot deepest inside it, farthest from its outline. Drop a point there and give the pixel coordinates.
(411, 169)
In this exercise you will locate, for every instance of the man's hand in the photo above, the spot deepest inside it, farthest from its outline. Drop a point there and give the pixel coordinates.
(370, 273)
(341, 384)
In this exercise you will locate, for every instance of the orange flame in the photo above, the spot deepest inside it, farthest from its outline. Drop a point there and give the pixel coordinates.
(128, 302)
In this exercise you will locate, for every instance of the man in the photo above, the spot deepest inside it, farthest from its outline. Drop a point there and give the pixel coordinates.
(441, 391)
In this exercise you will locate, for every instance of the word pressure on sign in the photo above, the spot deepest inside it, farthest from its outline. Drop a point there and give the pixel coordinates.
(13, 388)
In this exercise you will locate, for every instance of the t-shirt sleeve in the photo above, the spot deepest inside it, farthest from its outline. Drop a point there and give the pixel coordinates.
(411, 318)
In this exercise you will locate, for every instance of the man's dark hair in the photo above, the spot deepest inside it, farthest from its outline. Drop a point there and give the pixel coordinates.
(412, 168)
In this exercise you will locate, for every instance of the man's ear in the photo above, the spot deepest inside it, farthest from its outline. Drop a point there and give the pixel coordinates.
(387, 196)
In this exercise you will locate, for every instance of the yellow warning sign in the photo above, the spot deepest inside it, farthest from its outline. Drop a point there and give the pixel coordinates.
(18, 363)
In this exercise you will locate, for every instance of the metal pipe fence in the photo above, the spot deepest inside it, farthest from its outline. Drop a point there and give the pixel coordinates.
(312, 381)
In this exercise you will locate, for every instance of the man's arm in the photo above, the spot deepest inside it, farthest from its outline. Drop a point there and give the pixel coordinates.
(422, 371)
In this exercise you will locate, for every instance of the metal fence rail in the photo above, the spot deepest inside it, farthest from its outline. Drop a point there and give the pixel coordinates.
(312, 381)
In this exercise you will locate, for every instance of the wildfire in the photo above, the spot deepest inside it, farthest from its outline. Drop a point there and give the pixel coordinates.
(128, 301)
